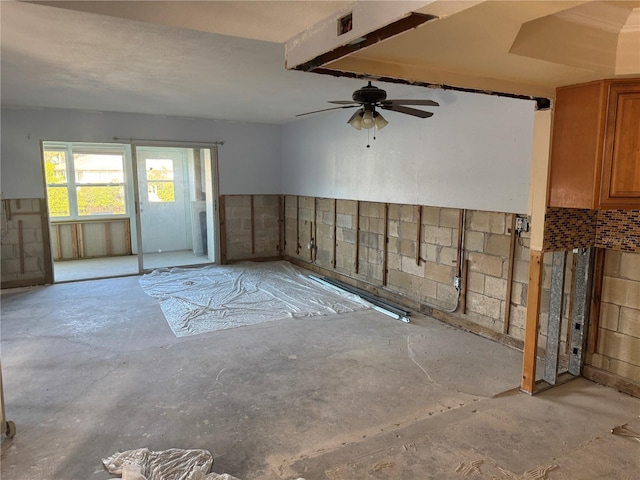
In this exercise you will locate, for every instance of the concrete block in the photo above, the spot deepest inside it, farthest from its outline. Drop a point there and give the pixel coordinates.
(307, 202)
(347, 207)
(370, 240)
(376, 210)
(521, 271)
(612, 259)
(483, 305)
(376, 225)
(497, 245)
(619, 346)
(495, 287)
(395, 246)
(326, 218)
(629, 323)
(430, 252)
(431, 216)
(394, 229)
(343, 220)
(408, 213)
(518, 316)
(28, 221)
(408, 230)
(346, 235)
(446, 294)
(626, 370)
(425, 288)
(394, 261)
(621, 292)
(475, 282)
(9, 251)
(394, 211)
(438, 235)
(323, 258)
(449, 217)
(474, 241)
(409, 266)
(487, 222)
(402, 281)
(408, 248)
(630, 266)
(231, 201)
(324, 230)
(447, 255)
(609, 315)
(599, 361)
(439, 273)
(365, 223)
(488, 264)
(325, 205)
(516, 332)
(10, 266)
(11, 237)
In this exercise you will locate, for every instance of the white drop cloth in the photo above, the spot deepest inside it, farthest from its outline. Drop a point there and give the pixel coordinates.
(172, 464)
(199, 300)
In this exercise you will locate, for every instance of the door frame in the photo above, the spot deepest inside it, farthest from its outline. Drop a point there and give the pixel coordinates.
(213, 149)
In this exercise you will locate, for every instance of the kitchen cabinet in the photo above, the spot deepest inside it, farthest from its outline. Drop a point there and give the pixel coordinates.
(595, 146)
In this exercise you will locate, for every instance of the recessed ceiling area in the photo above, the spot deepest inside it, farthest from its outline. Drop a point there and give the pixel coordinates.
(525, 48)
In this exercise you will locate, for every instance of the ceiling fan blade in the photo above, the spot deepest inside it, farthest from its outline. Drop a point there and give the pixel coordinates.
(430, 103)
(343, 102)
(409, 111)
(326, 109)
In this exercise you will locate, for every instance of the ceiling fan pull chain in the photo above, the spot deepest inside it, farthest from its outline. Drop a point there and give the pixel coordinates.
(368, 138)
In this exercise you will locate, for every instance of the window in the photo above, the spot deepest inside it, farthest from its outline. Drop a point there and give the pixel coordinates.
(160, 180)
(85, 181)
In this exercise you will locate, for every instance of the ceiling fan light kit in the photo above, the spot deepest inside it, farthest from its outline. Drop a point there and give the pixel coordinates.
(367, 99)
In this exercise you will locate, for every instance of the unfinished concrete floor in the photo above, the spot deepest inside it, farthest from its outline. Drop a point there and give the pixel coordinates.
(92, 368)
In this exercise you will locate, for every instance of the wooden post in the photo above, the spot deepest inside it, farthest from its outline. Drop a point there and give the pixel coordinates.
(58, 244)
(334, 260)
(463, 286)
(253, 236)
(223, 231)
(21, 245)
(507, 302)
(282, 232)
(80, 234)
(107, 237)
(529, 355)
(357, 247)
(385, 241)
(314, 238)
(74, 240)
(297, 224)
(418, 234)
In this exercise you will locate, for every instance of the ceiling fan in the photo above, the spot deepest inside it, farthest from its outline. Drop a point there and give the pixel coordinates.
(370, 97)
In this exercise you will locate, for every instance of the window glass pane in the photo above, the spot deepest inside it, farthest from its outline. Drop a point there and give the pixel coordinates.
(98, 168)
(101, 200)
(55, 167)
(159, 169)
(58, 199)
(161, 192)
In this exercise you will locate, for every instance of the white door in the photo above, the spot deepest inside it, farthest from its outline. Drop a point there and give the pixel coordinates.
(164, 207)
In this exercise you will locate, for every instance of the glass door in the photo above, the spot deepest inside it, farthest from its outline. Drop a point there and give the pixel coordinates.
(176, 206)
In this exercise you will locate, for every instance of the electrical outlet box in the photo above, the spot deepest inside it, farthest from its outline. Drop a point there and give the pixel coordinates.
(457, 282)
(522, 225)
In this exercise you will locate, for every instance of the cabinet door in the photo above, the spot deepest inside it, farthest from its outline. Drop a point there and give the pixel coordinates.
(621, 161)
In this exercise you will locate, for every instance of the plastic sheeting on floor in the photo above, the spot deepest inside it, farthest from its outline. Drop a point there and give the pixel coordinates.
(199, 300)
(172, 464)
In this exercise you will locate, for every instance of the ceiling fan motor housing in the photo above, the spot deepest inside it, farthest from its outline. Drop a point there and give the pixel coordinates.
(369, 95)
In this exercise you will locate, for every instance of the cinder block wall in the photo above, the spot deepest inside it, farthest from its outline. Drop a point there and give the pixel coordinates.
(24, 235)
(617, 349)
(420, 256)
(251, 227)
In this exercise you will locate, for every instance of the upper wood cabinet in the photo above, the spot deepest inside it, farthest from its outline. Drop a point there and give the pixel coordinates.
(595, 146)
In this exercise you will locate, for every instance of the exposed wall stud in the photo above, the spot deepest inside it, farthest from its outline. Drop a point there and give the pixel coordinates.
(356, 264)
(512, 250)
(334, 260)
(223, 231)
(107, 237)
(253, 236)
(21, 245)
(298, 225)
(385, 242)
(529, 355)
(418, 233)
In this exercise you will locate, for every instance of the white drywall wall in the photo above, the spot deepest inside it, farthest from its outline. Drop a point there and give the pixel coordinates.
(475, 152)
(249, 161)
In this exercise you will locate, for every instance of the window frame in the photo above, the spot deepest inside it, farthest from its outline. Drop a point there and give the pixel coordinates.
(72, 149)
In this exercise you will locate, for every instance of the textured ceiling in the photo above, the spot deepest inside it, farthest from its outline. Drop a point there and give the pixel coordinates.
(226, 59)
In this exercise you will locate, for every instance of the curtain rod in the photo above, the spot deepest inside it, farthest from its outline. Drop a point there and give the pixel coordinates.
(167, 142)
